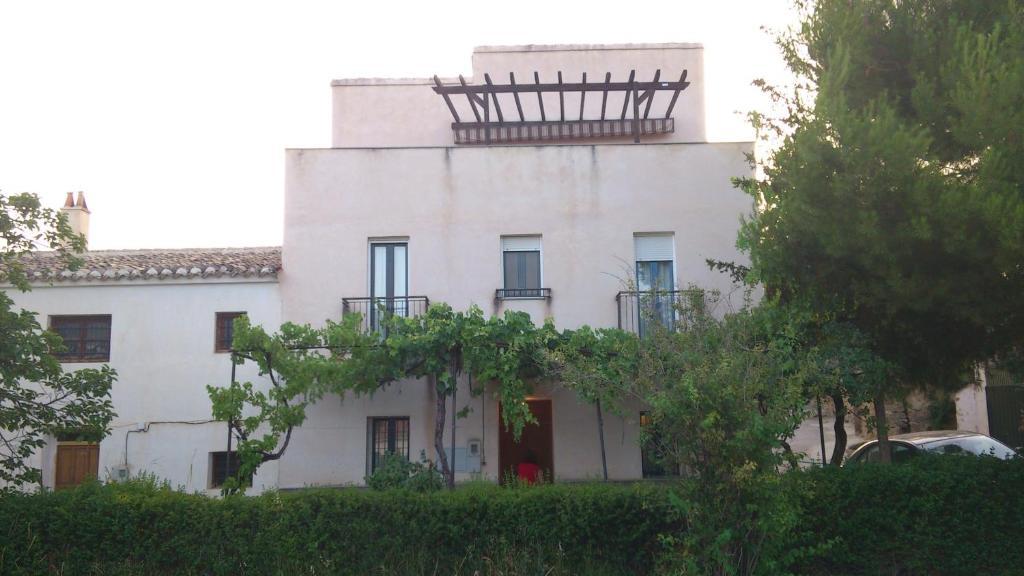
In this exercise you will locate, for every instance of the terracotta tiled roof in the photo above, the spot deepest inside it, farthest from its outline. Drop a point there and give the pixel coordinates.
(114, 265)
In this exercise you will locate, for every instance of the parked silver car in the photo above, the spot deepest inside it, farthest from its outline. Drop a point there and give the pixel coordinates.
(905, 446)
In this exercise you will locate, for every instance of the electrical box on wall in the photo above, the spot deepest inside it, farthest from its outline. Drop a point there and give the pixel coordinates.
(119, 473)
(467, 459)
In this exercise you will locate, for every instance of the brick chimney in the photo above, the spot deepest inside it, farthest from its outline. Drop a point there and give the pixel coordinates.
(78, 214)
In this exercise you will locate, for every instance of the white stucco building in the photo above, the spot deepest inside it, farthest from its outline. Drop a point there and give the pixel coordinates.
(551, 180)
(158, 317)
(397, 208)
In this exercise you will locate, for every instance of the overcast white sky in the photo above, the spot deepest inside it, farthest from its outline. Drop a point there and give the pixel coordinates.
(173, 117)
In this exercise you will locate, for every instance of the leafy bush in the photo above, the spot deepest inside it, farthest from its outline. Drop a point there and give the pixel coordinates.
(142, 529)
(934, 515)
(397, 472)
(949, 515)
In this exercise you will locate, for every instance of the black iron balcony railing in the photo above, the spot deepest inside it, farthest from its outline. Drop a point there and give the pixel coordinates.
(642, 311)
(376, 309)
(513, 293)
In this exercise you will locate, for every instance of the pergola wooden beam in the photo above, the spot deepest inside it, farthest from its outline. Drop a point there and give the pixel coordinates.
(471, 96)
(640, 94)
(519, 106)
(565, 87)
(675, 95)
(497, 107)
(629, 91)
(583, 96)
(540, 95)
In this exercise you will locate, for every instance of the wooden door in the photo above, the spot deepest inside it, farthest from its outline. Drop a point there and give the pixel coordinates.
(76, 462)
(536, 439)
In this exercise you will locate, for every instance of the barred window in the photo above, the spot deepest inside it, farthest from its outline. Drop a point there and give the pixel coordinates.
(389, 436)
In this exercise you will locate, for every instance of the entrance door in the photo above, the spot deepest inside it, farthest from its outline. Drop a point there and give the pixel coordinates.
(536, 441)
(75, 462)
(389, 285)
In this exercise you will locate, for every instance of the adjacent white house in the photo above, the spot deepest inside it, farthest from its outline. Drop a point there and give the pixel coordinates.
(162, 319)
(554, 179)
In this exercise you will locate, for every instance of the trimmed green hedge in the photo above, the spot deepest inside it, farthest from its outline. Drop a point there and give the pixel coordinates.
(942, 515)
(948, 515)
(138, 530)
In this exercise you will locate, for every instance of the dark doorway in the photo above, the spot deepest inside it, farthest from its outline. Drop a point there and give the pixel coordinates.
(1006, 414)
(536, 439)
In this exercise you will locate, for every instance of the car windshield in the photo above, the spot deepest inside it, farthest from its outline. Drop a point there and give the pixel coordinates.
(977, 445)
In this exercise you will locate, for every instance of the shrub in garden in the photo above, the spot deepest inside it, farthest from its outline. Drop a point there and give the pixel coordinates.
(145, 529)
(948, 515)
(396, 472)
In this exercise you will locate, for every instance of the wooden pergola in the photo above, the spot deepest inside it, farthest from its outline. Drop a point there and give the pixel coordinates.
(492, 127)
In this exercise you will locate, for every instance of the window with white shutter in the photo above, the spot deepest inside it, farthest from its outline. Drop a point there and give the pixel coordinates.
(655, 274)
(521, 267)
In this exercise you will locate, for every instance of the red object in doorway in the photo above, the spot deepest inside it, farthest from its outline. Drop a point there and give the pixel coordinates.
(528, 471)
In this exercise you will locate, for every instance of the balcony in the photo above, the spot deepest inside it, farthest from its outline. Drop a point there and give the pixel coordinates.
(375, 310)
(522, 294)
(643, 311)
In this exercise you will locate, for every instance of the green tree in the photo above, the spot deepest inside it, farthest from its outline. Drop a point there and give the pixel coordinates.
(37, 397)
(301, 364)
(892, 198)
(304, 363)
(725, 393)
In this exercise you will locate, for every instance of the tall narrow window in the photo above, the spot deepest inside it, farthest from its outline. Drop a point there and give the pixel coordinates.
(655, 278)
(521, 264)
(389, 436)
(389, 282)
(86, 338)
(225, 330)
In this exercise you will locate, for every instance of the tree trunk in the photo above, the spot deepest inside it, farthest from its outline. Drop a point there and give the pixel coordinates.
(600, 433)
(882, 429)
(439, 416)
(839, 450)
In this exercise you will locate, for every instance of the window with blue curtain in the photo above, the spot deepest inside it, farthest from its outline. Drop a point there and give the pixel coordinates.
(655, 280)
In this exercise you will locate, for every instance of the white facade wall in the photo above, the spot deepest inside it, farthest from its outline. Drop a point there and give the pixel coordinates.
(453, 205)
(394, 173)
(405, 112)
(162, 346)
(972, 404)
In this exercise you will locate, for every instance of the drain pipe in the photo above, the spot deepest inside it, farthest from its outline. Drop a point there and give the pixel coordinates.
(227, 455)
(600, 433)
(483, 422)
(455, 410)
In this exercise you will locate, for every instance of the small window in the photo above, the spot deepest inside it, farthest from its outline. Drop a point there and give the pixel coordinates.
(225, 330)
(86, 338)
(521, 264)
(224, 465)
(388, 436)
